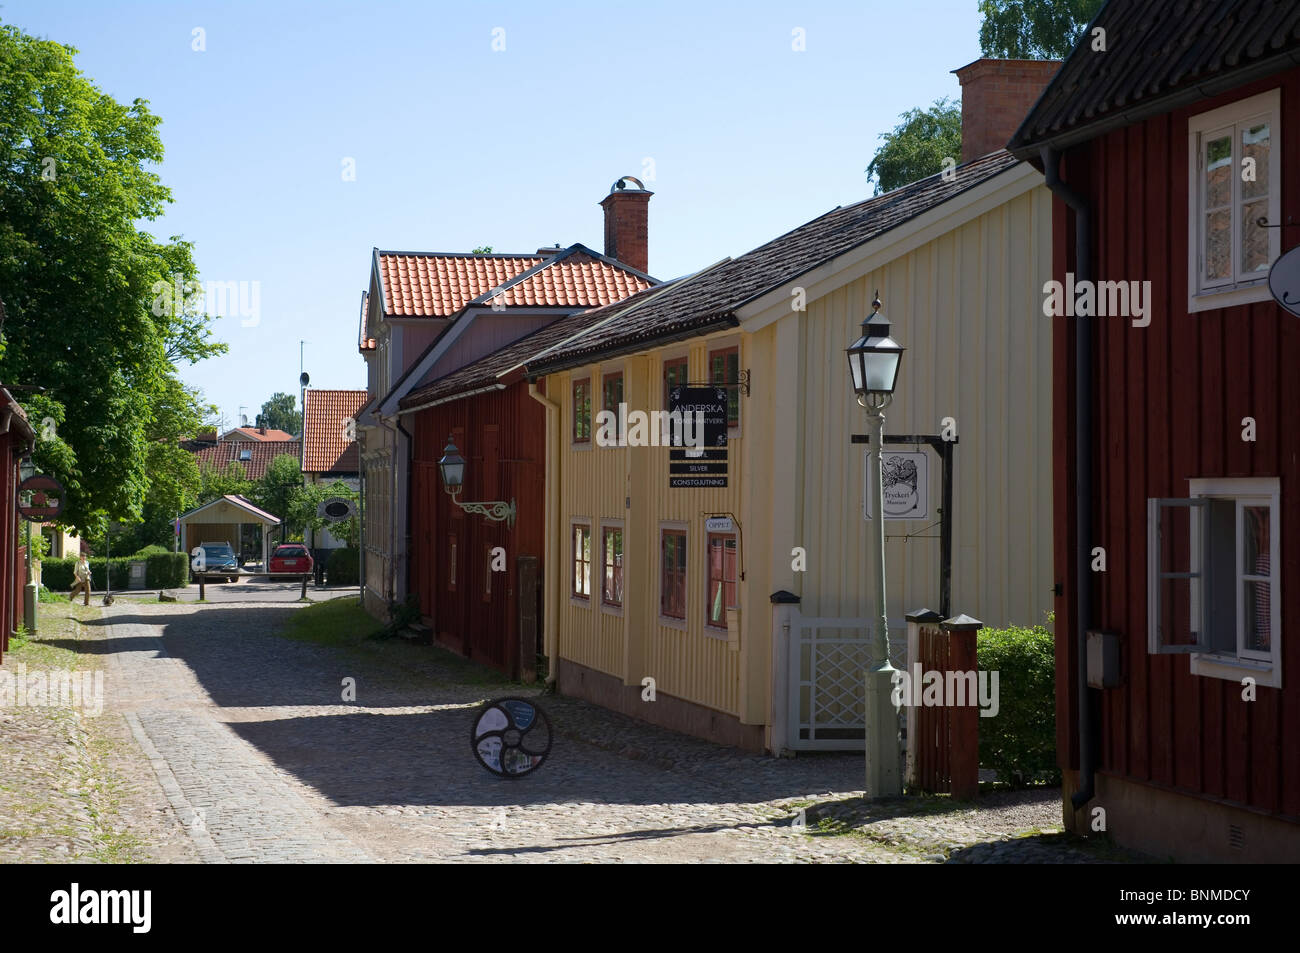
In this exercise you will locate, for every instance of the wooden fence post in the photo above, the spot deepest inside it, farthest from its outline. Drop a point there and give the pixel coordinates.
(915, 619)
(964, 719)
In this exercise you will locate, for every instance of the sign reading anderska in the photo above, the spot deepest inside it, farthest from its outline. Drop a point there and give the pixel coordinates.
(699, 467)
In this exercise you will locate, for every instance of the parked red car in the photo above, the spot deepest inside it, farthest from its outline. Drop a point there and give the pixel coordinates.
(290, 559)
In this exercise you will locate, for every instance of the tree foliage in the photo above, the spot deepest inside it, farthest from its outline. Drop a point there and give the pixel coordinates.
(78, 278)
(1033, 29)
(917, 146)
(281, 413)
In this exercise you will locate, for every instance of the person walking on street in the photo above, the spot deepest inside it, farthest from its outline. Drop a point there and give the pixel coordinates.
(81, 582)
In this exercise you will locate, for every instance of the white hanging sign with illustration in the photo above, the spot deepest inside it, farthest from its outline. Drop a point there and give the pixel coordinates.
(907, 485)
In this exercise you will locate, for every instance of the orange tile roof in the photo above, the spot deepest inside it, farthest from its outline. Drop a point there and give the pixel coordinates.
(254, 433)
(328, 450)
(365, 342)
(439, 285)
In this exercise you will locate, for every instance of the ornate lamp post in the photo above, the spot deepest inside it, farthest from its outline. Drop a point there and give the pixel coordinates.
(452, 466)
(873, 360)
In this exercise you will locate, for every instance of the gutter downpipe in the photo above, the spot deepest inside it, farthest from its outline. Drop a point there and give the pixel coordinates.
(550, 571)
(1082, 473)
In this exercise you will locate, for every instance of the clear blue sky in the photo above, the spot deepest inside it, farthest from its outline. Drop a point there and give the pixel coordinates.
(457, 145)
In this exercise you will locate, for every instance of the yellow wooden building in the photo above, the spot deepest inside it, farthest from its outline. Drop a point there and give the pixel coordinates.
(639, 582)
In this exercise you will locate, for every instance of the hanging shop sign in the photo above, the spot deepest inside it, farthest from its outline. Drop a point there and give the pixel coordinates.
(42, 498)
(336, 509)
(907, 485)
(698, 459)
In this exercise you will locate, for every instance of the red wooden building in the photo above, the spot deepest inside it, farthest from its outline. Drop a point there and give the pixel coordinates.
(1176, 404)
(16, 441)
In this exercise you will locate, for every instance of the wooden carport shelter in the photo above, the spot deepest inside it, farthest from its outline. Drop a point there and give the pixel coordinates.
(221, 520)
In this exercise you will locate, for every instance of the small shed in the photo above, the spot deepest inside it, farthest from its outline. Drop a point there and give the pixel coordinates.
(222, 520)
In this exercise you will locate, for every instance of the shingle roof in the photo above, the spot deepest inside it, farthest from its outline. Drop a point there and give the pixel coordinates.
(327, 449)
(710, 299)
(260, 452)
(1160, 54)
(438, 285)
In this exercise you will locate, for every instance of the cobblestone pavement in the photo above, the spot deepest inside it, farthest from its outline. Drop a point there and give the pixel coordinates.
(260, 759)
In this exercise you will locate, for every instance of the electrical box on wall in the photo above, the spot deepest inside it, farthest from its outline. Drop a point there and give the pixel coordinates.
(1103, 659)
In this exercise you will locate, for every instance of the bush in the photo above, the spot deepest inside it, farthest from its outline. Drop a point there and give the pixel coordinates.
(151, 550)
(57, 574)
(1019, 743)
(344, 567)
(166, 570)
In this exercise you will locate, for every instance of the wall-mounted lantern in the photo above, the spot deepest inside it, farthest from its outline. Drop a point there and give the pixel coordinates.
(452, 467)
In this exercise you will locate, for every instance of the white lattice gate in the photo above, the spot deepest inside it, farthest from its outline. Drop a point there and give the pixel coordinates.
(827, 678)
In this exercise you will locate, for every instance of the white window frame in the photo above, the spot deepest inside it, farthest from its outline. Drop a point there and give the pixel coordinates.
(1264, 668)
(1202, 296)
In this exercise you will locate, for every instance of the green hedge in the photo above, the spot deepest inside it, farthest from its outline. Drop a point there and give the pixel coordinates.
(162, 571)
(57, 573)
(344, 567)
(167, 570)
(1019, 743)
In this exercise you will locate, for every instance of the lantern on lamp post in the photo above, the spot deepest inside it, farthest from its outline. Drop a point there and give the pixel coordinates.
(873, 364)
(452, 467)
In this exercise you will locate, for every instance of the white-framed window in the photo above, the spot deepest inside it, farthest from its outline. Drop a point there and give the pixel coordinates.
(1214, 578)
(1234, 157)
(580, 537)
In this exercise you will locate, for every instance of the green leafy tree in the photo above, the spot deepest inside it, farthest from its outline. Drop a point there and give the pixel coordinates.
(312, 495)
(81, 282)
(278, 492)
(1033, 29)
(482, 250)
(280, 413)
(917, 146)
(216, 482)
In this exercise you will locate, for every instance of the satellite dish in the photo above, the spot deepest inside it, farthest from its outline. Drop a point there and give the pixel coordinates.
(303, 378)
(1284, 281)
(244, 418)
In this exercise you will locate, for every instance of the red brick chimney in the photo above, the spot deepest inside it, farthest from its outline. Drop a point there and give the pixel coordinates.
(996, 95)
(627, 223)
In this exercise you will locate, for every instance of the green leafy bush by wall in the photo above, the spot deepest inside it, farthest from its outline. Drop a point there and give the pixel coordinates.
(57, 574)
(166, 570)
(1019, 743)
(344, 567)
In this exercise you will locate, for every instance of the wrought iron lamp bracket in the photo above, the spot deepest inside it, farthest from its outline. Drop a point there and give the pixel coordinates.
(497, 511)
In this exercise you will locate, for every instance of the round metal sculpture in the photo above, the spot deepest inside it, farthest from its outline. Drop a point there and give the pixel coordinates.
(511, 737)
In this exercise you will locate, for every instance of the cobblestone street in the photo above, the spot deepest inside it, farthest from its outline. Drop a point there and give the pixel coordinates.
(231, 743)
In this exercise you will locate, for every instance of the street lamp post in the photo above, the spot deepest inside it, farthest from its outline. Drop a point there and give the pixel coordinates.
(873, 360)
(27, 469)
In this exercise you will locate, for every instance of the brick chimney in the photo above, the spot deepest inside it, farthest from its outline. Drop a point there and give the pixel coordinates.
(996, 95)
(627, 223)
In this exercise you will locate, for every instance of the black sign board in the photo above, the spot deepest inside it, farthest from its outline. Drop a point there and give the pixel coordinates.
(709, 401)
(690, 464)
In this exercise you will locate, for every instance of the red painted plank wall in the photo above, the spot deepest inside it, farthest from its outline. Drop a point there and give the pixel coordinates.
(467, 619)
(1169, 402)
